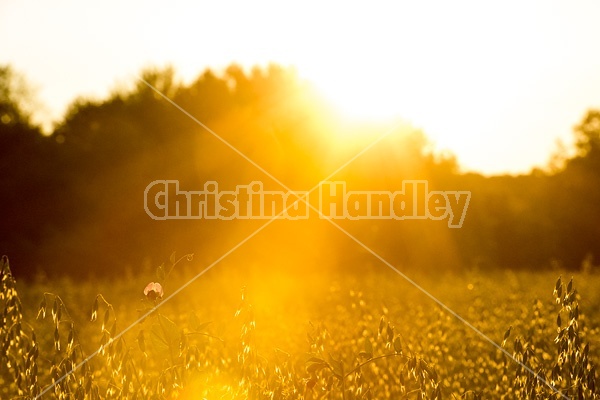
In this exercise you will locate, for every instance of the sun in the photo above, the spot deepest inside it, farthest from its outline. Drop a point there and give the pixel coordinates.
(451, 110)
(368, 108)
(358, 101)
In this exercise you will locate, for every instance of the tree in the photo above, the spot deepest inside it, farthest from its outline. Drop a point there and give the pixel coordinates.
(14, 99)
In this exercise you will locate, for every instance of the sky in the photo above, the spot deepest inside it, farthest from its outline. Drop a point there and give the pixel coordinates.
(495, 83)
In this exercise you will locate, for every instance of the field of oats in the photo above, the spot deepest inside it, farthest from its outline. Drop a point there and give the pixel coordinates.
(276, 334)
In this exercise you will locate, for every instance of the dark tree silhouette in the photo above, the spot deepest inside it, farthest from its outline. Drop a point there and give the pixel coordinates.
(71, 202)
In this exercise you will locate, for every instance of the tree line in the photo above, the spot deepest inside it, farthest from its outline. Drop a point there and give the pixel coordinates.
(72, 200)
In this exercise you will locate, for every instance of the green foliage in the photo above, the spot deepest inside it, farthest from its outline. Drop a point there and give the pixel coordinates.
(15, 99)
(19, 350)
(56, 214)
(167, 356)
(569, 370)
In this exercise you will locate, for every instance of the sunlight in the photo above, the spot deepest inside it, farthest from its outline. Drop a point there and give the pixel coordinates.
(451, 108)
(368, 109)
(357, 101)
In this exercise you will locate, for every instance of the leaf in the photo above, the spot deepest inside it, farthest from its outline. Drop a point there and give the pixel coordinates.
(106, 318)
(517, 346)
(398, 344)
(94, 310)
(412, 363)
(506, 335)
(336, 367)
(164, 334)
(56, 339)
(71, 338)
(315, 364)
(42, 309)
(157, 340)
(195, 323)
(54, 309)
(368, 348)
(314, 367)
(390, 333)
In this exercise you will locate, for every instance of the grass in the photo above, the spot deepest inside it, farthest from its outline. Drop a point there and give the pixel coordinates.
(276, 334)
